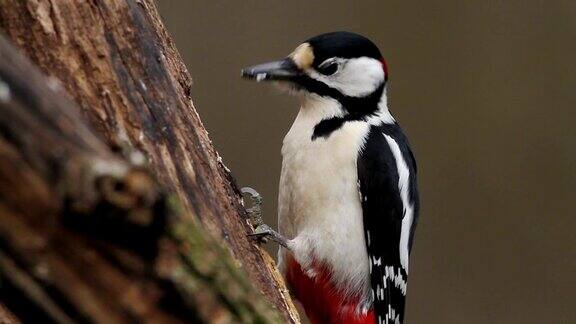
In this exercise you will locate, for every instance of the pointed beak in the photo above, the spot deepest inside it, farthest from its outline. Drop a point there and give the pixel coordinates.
(284, 69)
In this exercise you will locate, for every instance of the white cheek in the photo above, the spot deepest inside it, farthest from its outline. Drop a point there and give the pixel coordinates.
(356, 78)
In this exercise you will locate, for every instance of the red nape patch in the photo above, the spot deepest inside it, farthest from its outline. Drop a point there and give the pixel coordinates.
(384, 67)
(321, 301)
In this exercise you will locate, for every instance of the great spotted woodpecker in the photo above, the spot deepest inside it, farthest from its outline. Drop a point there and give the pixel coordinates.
(348, 201)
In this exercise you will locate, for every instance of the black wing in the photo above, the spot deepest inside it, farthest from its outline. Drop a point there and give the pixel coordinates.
(386, 202)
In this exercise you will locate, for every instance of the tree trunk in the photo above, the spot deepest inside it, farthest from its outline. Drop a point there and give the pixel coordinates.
(86, 235)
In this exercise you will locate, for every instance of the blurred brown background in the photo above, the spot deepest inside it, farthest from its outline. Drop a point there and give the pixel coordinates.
(486, 91)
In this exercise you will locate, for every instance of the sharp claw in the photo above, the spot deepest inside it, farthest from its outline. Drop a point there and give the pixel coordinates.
(250, 191)
(264, 233)
(263, 229)
(259, 237)
(255, 212)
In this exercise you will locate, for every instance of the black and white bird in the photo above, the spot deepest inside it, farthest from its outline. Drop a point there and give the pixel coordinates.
(348, 201)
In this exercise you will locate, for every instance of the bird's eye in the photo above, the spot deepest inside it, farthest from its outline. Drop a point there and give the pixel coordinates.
(328, 68)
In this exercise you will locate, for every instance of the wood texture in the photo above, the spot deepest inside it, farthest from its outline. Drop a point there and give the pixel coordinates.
(118, 63)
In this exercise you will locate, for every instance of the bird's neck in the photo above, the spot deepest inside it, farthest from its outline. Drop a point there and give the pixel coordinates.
(316, 108)
(327, 115)
(382, 114)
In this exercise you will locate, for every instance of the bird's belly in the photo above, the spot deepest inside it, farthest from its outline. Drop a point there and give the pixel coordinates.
(318, 192)
(320, 210)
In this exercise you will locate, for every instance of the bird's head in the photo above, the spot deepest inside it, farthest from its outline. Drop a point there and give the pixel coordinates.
(340, 65)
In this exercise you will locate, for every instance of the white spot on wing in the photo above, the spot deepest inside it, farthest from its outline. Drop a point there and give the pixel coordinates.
(396, 278)
(368, 237)
(370, 269)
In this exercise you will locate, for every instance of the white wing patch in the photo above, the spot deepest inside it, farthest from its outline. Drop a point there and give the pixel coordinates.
(403, 187)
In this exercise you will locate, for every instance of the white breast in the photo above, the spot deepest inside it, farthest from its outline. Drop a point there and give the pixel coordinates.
(319, 202)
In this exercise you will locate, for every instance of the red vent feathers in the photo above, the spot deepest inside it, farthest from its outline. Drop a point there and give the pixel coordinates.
(322, 302)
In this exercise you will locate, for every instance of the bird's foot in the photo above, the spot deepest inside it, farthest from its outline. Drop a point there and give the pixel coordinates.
(262, 232)
(254, 212)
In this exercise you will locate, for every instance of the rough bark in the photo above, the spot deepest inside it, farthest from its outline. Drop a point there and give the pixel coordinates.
(85, 234)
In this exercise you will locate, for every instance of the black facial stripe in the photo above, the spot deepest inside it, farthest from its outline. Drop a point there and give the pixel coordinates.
(317, 87)
(356, 108)
(327, 126)
(353, 105)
